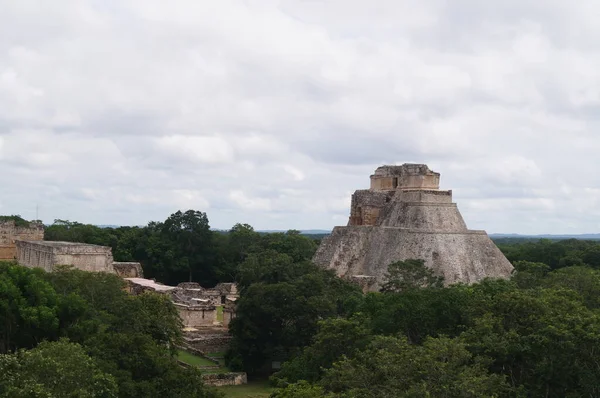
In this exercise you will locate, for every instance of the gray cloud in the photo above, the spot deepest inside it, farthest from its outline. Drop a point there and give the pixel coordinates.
(273, 112)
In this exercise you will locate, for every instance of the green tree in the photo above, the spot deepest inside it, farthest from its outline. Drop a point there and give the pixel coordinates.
(391, 367)
(543, 340)
(410, 274)
(29, 308)
(54, 369)
(279, 309)
(302, 389)
(335, 338)
(189, 238)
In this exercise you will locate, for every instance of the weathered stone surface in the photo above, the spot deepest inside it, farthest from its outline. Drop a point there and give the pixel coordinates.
(128, 269)
(225, 379)
(10, 233)
(137, 286)
(207, 339)
(195, 316)
(405, 216)
(47, 255)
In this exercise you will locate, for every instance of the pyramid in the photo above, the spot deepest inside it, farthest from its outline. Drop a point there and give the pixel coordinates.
(404, 215)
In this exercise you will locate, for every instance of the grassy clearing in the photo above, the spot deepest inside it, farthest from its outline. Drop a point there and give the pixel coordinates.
(257, 389)
(216, 355)
(192, 359)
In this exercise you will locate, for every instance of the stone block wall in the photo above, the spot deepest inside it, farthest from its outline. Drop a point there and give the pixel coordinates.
(128, 269)
(85, 257)
(197, 316)
(366, 206)
(46, 255)
(228, 315)
(224, 379)
(32, 254)
(10, 233)
(210, 343)
(407, 176)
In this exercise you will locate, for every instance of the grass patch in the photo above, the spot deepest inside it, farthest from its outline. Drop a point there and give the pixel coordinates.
(256, 389)
(220, 313)
(192, 359)
(216, 355)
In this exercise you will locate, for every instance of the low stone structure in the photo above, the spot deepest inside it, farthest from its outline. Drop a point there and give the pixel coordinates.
(197, 306)
(197, 315)
(229, 311)
(10, 232)
(128, 269)
(225, 379)
(207, 339)
(404, 215)
(47, 255)
(83, 256)
(141, 285)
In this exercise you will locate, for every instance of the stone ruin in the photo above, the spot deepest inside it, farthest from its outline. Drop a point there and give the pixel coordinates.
(197, 305)
(10, 233)
(86, 257)
(198, 308)
(404, 215)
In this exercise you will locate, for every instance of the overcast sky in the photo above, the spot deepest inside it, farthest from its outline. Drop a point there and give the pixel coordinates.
(273, 112)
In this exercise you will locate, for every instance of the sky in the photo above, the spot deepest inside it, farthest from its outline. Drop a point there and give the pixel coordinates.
(272, 113)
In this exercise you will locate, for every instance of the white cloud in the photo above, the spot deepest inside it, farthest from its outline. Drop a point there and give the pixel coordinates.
(273, 112)
(201, 149)
(248, 203)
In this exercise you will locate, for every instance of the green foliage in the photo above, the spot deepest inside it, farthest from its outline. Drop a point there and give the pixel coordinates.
(29, 308)
(131, 339)
(54, 369)
(302, 389)
(555, 254)
(391, 367)
(183, 248)
(17, 219)
(408, 275)
(280, 305)
(336, 337)
(542, 339)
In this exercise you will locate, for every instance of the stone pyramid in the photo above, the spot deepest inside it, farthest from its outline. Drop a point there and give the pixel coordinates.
(404, 215)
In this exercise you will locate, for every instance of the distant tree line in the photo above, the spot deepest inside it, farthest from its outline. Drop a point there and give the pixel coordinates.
(183, 247)
(554, 253)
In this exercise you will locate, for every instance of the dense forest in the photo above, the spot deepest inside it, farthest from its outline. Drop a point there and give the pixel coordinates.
(537, 334)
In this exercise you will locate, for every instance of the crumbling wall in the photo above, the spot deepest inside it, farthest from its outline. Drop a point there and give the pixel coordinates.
(128, 269)
(10, 233)
(406, 176)
(32, 254)
(90, 258)
(47, 255)
(366, 206)
(228, 316)
(197, 316)
(224, 379)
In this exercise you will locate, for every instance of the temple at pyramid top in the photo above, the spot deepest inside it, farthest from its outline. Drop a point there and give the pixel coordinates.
(394, 197)
(407, 176)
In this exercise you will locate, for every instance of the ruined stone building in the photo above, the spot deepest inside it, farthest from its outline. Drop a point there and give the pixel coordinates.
(10, 232)
(48, 254)
(404, 215)
(199, 308)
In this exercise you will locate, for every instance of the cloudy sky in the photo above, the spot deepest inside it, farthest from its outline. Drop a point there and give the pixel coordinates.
(273, 112)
